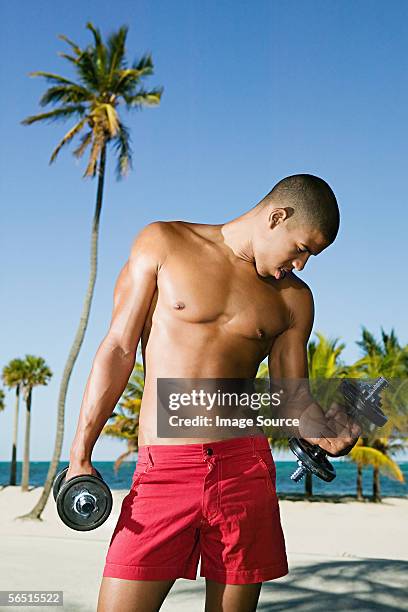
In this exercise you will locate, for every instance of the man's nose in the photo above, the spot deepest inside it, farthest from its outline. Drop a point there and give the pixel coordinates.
(300, 262)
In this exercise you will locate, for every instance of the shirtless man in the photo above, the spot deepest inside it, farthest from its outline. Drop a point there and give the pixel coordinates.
(206, 301)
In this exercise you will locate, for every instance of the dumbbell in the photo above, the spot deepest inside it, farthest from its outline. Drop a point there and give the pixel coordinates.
(361, 399)
(83, 502)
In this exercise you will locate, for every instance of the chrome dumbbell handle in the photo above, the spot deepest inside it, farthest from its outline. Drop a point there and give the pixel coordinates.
(84, 503)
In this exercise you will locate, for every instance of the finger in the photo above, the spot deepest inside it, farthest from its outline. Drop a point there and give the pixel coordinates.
(356, 430)
(322, 442)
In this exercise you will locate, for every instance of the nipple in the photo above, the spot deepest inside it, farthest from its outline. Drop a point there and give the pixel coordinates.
(260, 332)
(179, 305)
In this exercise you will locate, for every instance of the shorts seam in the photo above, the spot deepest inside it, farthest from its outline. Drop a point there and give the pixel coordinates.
(170, 567)
(252, 571)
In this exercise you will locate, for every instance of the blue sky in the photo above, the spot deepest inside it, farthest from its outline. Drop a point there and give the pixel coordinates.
(253, 92)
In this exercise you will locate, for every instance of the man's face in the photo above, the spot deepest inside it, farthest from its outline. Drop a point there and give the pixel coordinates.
(279, 249)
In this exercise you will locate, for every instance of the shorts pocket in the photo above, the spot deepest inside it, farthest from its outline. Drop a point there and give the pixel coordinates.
(140, 471)
(268, 465)
(136, 480)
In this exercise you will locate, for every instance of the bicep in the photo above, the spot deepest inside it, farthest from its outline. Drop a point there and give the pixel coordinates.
(288, 355)
(135, 288)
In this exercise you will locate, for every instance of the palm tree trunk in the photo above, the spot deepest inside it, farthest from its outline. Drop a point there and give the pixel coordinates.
(36, 512)
(309, 484)
(359, 483)
(26, 461)
(13, 465)
(376, 485)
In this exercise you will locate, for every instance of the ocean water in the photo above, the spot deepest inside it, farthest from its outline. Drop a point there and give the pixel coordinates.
(343, 484)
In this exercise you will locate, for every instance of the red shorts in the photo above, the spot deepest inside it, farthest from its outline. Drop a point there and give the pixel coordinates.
(217, 500)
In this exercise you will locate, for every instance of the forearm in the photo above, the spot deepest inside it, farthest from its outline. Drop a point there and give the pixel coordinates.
(109, 376)
(298, 404)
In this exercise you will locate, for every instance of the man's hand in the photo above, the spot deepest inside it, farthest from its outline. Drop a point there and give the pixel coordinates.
(339, 433)
(79, 469)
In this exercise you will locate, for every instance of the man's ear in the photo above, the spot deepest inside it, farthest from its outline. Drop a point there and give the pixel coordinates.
(278, 215)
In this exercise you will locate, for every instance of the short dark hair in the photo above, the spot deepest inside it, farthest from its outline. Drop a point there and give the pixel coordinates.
(313, 201)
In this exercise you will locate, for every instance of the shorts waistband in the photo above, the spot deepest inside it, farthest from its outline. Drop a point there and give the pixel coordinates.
(202, 451)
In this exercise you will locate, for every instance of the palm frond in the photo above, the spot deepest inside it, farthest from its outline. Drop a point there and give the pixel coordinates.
(13, 373)
(73, 45)
(144, 98)
(116, 51)
(100, 55)
(390, 341)
(124, 151)
(87, 70)
(145, 65)
(368, 343)
(71, 94)
(86, 139)
(125, 81)
(52, 78)
(73, 60)
(57, 114)
(36, 372)
(367, 456)
(67, 138)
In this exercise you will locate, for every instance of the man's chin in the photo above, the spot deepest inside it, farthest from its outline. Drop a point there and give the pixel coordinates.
(261, 271)
(279, 274)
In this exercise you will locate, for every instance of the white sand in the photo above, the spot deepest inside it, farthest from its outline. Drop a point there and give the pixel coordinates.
(341, 556)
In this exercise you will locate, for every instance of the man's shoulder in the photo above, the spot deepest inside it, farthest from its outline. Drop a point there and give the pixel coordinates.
(292, 287)
(157, 229)
(298, 298)
(155, 234)
(151, 242)
(298, 285)
(164, 230)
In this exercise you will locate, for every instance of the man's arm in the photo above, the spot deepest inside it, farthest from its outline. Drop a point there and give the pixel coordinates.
(115, 357)
(288, 355)
(288, 360)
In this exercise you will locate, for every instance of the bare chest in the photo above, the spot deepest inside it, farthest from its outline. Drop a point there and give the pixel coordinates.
(197, 289)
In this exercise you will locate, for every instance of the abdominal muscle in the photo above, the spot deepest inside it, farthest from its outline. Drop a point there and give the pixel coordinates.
(195, 355)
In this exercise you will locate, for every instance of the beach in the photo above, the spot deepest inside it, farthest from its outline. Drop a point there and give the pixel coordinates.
(341, 556)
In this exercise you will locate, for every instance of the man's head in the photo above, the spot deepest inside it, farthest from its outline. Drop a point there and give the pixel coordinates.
(297, 218)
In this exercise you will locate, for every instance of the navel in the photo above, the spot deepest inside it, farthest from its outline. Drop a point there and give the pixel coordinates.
(179, 305)
(260, 332)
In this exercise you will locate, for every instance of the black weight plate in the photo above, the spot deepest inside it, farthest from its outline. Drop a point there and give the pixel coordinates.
(71, 489)
(327, 473)
(58, 482)
(358, 397)
(373, 413)
(313, 458)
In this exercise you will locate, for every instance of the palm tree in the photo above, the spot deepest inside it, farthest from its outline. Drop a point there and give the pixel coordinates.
(35, 373)
(13, 376)
(364, 455)
(104, 81)
(125, 424)
(385, 358)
